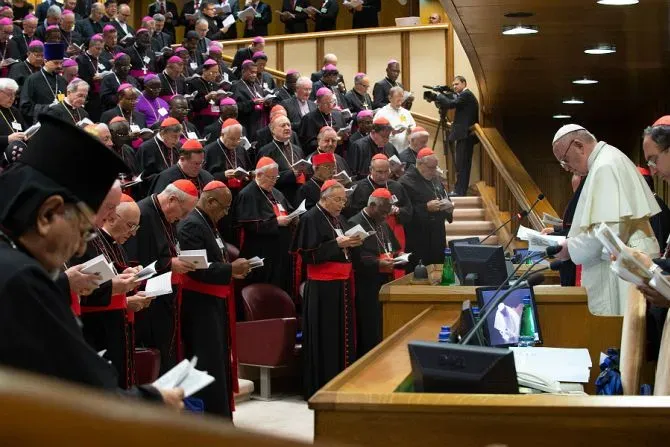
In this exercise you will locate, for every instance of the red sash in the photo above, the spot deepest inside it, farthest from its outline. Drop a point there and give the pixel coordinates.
(275, 208)
(224, 292)
(118, 302)
(578, 276)
(329, 271)
(301, 179)
(398, 230)
(74, 304)
(234, 183)
(96, 86)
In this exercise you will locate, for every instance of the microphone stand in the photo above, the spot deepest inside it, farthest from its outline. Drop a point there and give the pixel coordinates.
(521, 215)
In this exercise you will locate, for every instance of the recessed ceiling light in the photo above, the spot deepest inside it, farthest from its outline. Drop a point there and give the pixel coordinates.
(618, 2)
(601, 49)
(519, 30)
(516, 15)
(562, 116)
(585, 81)
(573, 101)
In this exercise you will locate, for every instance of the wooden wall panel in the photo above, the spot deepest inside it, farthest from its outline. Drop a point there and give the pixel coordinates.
(346, 49)
(300, 55)
(271, 51)
(427, 67)
(379, 50)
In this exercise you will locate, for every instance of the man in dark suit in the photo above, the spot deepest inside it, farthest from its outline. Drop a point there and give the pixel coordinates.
(325, 17)
(160, 38)
(192, 8)
(294, 17)
(91, 25)
(169, 10)
(300, 104)
(246, 53)
(258, 25)
(366, 15)
(123, 28)
(42, 9)
(467, 114)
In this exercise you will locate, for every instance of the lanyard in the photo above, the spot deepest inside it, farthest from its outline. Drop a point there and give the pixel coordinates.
(167, 79)
(11, 128)
(167, 227)
(281, 151)
(105, 248)
(272, 202)
(49, 85)
(130, 118)
(160, 150)
(215, 233)
(71, 115)
(253, 93)
(139, 56)
(225, 154)
(330, 124)
(383, 244)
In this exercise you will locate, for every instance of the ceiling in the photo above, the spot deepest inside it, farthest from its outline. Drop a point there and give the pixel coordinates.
(527, 77)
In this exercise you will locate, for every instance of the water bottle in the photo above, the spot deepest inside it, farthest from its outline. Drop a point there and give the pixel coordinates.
(445, 335)
(475, 312)
(527, 330)
(448, 277)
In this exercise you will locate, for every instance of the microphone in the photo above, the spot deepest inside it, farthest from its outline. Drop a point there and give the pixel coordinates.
(553, 250)
(531, 280)
(521, 215)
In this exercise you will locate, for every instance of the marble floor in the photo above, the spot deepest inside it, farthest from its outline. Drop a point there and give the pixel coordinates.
(287, 417)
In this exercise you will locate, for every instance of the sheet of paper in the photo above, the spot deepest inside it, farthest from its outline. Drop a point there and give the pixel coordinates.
(661, 284)
(302, 163)
(197, 257)
(100, 266)
(548, 219)
(224, 9)
(248, 13)
(245, 143)
(562, 365)
(536, 240)
(298, 211)
(159, 285)
(395, 159)
(256, 262)
(359, 231)
(229, 21)
(147, 272)
(402, 259)
(176, 375)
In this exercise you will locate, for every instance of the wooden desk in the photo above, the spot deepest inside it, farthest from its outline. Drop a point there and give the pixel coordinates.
(564, 316)
(360, 406)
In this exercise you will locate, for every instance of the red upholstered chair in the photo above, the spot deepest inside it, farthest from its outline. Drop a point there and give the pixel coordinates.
(267, 337)
(147, 365)
(233, 251)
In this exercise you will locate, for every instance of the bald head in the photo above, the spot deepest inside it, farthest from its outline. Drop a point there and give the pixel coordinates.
(123, 223)
(216, 203)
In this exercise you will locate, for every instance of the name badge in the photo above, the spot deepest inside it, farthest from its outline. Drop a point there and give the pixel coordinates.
(258, 15)
(101, 66)
(226, 78)
(265, 86)
(219, 242)
(389, 247)
(194, 65)
(394, 199)
(280, 208)
(162, 111)
(214, 108)
(298, 8)
(339, 232)
(17, 126)
(177, 249)
(134, 128)
(324, 10)
(192, 135)
(146, 59)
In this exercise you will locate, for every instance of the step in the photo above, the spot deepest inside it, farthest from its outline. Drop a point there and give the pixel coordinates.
(469, 214)
(467, 202)
(470, 227)
(493, 240)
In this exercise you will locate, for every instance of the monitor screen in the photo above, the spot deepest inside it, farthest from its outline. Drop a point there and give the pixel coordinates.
(485, 263)
(504, 323)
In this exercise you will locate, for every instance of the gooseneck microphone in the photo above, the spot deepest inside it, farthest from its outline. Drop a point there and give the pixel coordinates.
(519, 216)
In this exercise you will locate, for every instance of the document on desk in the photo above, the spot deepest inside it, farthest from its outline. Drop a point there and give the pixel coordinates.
(560, 364)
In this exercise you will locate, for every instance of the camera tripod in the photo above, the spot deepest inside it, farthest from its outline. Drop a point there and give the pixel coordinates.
(442, 125)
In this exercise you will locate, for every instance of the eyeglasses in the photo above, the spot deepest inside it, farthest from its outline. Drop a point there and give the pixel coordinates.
(562, 161)
(226, 208)
(131, 227)
(84, 218)
(339, 200)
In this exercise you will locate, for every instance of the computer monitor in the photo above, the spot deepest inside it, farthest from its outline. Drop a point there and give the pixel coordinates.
(503, 325)
(486, 262)
(451, 368)
(467, 322)
(464, 241)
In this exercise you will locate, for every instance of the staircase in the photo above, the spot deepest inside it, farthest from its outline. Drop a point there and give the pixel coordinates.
(470, 220)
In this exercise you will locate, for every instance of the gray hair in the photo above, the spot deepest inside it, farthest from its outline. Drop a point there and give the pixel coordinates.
(359, 77)
(304, 81)
(395, 90)
(54, 11)
(159, 17)
(225, 130)
(377, 201)
(660, 135)
(200, 21)
(8, 84)
(421, 161)
(171, 190)
(266, 168)
(328, 192)
(460, 78)
(97, 5)
(75, 84)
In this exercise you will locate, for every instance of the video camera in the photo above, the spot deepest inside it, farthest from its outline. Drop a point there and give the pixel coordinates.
(431, 94)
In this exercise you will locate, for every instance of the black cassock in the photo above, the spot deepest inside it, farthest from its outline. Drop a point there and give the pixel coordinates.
(20, 72)
(171, 87)
(136, 117)
(329, 326)
(311, 124)
(368, 16)
(39, 91)
(340, 163)
(203, 114)
(218, 159)
(205, 318)
(156, 240)
(283, 94)
(175, 173)
(310, 192)
(356, 136)
(397, 223)
(262, 236)
(380, 92)
(142, 61)
(250, 115)
(285, 156)
(127, 153)
(39, 332)
(425, 232)
(358, 102)
(360, 155)
(153, 157)
(8, 117)
(241, 55)
(369, 280)
(108, 53)
(88, 67)
(104, 316)
(108, 87)
(67, 113)
(408, 156)
(264, 136)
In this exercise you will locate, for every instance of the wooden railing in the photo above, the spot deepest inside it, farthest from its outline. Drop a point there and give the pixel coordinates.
(516, 191)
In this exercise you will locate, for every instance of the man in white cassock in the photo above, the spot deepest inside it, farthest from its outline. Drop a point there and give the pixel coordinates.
(615, 194)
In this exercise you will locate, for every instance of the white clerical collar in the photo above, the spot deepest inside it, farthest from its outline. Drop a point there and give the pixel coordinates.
(596, 151)
(66, 101)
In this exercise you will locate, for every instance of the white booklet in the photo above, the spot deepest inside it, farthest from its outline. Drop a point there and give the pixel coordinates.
(245, 143)
(342, 176)
(185, 376)
(248, 13)
(146, 273)
(298, 211)
(196, 257)
(359, 231)
(101, 267)
(256, 262)
(395, 159)
(301, 164)
(402, 259)
(159, 285)
(536, 240)
(626, 266)
(241, 171)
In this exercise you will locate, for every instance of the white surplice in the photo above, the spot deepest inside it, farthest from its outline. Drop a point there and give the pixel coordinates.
(615, 194)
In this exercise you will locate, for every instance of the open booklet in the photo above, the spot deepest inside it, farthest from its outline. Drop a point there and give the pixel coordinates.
(99, 265)
(248, 13)
(184, 376)
(301, 164)
(359, 231)
(256, 262)
(298, 211)
(132, 182)
(536, 240)
(402, 259)
(343, 177)
(159, 285)
(146, 273)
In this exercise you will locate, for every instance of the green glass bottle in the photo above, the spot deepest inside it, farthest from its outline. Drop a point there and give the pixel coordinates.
(527, 330)
(448, 278)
